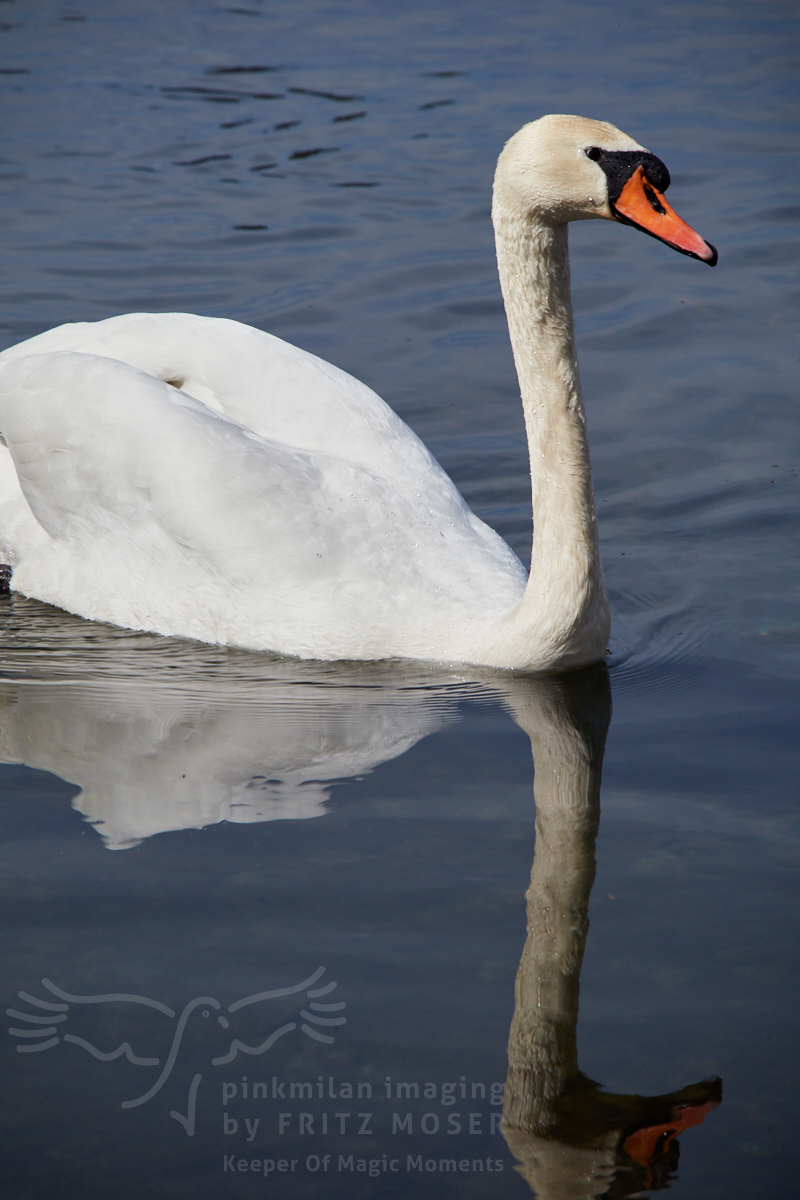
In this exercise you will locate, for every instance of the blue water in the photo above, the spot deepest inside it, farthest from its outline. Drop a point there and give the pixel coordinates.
(183, 821)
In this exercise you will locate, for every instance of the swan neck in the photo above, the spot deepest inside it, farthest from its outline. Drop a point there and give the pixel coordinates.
(565, 599)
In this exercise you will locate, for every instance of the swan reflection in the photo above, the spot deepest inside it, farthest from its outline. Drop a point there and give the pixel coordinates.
(162, 735)
(572, 1140)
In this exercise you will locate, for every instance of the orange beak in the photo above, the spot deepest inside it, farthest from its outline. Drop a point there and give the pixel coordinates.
(640, 204)
(646, 1146)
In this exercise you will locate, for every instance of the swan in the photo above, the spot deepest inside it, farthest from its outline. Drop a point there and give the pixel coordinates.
(196, 477)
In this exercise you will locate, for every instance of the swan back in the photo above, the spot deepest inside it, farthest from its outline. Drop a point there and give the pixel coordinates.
(162, 513)
(265, 384)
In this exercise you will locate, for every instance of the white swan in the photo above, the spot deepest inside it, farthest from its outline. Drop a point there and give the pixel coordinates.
(199, 478)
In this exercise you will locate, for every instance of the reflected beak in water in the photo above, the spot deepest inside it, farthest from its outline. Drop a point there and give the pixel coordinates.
(642, 205)
(646, 1146)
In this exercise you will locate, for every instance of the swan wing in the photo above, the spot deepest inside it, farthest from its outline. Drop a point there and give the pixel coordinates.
(256, 379)
(159, 512)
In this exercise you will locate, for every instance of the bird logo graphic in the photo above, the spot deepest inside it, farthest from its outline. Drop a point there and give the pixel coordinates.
(317, 1020)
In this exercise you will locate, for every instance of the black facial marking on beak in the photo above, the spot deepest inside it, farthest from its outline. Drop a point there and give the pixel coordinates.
(619, 165)
(655, 203)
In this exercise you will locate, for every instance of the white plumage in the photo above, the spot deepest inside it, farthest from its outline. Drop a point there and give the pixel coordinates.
(196, 477)
(273, 502)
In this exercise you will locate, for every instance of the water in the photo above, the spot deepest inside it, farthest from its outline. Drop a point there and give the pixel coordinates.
(186, 822)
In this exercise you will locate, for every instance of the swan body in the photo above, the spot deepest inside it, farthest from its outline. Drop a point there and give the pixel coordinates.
(196, 477)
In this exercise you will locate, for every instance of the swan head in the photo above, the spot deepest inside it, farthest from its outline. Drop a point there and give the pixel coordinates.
(563, 168)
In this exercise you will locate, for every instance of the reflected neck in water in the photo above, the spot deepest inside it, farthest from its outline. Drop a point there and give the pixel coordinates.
(572, 1140)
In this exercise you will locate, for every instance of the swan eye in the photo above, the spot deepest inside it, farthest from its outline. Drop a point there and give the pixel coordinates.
(593, 153)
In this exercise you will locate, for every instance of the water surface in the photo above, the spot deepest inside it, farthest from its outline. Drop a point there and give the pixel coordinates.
(186, 822)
